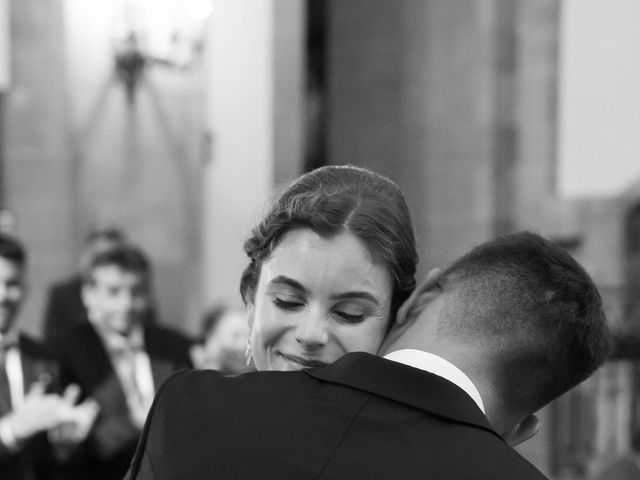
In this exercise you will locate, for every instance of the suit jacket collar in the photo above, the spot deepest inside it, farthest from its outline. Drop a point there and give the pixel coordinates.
(438, 366)
(90, 340)
(404, 384)
(89, 333)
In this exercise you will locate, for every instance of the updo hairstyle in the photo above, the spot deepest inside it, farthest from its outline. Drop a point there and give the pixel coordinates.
(335, 199)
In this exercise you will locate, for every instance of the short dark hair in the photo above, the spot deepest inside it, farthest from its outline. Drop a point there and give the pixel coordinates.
(98, 239)
(335, 199)
(527, 298)
(12, 249)
(127, 257)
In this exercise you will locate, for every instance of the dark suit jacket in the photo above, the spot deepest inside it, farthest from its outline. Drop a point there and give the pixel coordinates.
(64, 311)
(114, 437)
(362, 417)
(35, 459)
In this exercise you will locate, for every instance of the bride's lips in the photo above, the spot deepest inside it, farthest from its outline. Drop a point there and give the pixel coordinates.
(302, 361)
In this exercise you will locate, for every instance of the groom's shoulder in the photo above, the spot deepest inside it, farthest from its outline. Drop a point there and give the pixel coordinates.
(195, 383)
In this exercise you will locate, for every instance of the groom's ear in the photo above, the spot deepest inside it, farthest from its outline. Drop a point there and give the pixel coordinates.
(418, 297)
(523, 431)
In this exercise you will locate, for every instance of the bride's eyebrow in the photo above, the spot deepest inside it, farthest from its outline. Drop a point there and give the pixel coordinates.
(356, 294)
(284, 280)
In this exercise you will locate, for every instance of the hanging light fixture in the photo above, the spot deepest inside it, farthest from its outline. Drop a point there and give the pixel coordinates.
(157, 32)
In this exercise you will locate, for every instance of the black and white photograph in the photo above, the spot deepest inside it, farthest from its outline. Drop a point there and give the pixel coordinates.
(319, 239)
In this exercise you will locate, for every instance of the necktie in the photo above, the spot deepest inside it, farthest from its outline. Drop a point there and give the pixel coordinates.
(124, 356)
(133, 370)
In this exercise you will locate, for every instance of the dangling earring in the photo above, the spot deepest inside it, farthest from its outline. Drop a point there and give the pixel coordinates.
(247, 352)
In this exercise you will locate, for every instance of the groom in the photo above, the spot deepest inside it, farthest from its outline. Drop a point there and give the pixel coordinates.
(474, 352)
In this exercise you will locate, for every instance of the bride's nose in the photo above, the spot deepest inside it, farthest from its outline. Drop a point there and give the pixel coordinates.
(312, 332)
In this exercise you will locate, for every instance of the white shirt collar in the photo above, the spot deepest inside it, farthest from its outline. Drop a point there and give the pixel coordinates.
(438, 366)
(115, 340)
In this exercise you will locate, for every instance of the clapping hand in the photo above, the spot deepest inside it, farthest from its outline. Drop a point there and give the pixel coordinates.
(75, 421)
(39, 412)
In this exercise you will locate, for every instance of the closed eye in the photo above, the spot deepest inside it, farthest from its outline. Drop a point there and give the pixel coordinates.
(287, 304)
(349, 317)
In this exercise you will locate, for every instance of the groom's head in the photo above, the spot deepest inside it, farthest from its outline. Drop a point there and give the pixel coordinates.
(518, 314)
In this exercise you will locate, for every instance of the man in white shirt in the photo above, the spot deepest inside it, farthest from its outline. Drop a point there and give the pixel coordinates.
(38, 427)
(473, 354)
(118, 358)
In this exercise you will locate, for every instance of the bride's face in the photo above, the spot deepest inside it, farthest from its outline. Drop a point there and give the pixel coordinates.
(318, 298)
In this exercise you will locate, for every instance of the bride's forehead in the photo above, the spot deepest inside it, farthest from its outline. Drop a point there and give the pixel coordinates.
(338, 262)
(304, 246)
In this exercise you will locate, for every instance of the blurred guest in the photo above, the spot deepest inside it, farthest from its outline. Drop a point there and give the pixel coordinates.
(225, 333)
(119, 359)
(65, 308)
(36, 425)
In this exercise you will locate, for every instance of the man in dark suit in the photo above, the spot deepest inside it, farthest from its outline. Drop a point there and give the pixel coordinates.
(65, 308)
(117, 358)
(473, 353)
(32, 414)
